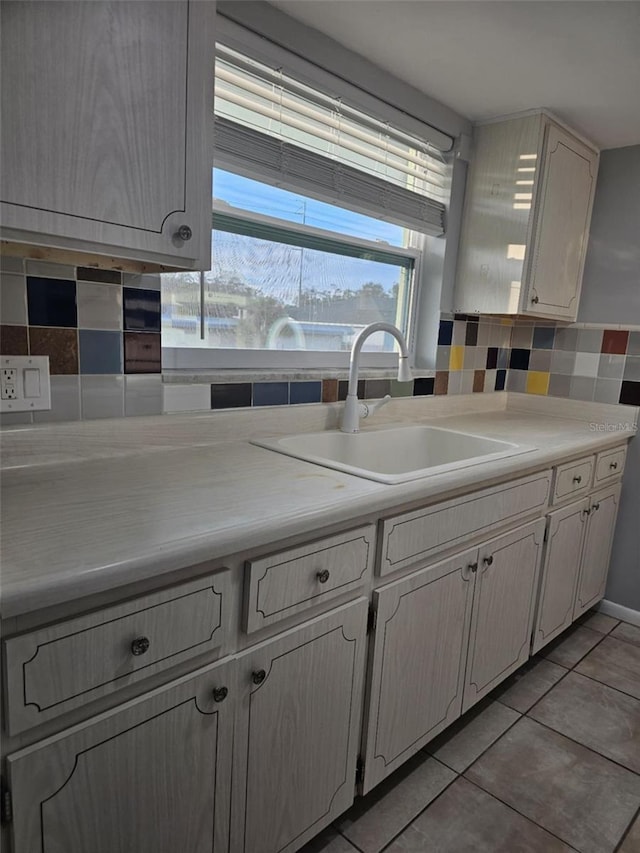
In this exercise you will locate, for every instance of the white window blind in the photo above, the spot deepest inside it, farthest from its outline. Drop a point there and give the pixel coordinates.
(273, 128)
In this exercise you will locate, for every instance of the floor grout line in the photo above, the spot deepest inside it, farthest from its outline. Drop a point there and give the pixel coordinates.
(522, 814)
(627, 831)
(605, 684)
(584, 746)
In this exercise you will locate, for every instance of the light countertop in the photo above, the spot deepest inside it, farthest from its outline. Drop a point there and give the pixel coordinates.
(92, 506)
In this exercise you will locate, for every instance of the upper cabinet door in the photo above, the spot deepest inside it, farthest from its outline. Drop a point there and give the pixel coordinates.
(561, 227)
(106, 133)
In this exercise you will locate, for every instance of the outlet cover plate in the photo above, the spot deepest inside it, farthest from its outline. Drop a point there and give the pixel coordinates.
(19, 402)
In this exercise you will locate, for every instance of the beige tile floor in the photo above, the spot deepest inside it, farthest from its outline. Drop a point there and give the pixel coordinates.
(550, 761)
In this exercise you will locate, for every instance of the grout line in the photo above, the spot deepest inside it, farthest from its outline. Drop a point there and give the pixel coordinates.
(604, 684)
(627, 831)
(541, 697)
(522, 814)
(584, 746)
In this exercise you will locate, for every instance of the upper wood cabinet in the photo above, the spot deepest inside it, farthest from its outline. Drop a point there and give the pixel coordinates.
(107, 123)
(526, 220)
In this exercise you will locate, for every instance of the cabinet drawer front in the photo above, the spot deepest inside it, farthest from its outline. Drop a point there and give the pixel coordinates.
(55, 669)
(610, 464)
(415, 535)
(573, 479)
(294, 580)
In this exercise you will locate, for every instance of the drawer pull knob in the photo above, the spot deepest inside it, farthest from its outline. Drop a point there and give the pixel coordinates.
(474, 566)
(258, 676)
(613, 466)
(595, 507)
(184, 233)
(323, 576)
(220, 694)
(488, 561)
(535, 300)
(586, 511)
(139, 646)
(577, 479)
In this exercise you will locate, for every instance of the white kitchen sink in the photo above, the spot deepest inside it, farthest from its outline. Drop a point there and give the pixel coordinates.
(394, 454)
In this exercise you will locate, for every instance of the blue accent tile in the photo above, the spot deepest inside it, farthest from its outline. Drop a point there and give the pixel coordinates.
(100, 352)
(423, 387)
(519, 359)
(543, 337)
(501, 376)
(270, 393)
(445, 333)
(230, 395)
(140, 309)
(52, 302)
(305, 392)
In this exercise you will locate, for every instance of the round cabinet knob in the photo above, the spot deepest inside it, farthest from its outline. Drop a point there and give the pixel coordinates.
(258, 676)
(577, 479)
(323, 576)
(586, 512)
(184, 233)
(595, 507)
(488, 561)
(535, 300)
(220, 694)
(139, 646)
(473, 567)
(613, 466)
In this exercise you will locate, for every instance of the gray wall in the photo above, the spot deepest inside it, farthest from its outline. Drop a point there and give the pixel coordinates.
(611, 284)
(611, 295)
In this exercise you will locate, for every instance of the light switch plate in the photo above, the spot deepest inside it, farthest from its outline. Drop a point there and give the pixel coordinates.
(24, 383)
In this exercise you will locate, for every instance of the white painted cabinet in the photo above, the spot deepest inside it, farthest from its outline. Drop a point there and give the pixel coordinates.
(576, 562)
(503, 608)
(598, 541)
(526, 220)
(152, 776)
(419, 653)
(297, 731)
(560, 571)
(107, 127)
(444, 637)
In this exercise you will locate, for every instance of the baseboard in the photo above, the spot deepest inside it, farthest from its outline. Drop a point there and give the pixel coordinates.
(610, 608)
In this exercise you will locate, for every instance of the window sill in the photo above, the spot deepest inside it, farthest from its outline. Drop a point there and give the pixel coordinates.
(231, 375)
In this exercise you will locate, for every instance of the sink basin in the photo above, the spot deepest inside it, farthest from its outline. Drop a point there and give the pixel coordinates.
(394, 454)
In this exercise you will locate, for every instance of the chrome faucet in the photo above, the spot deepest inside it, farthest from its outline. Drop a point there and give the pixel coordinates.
(354, 410)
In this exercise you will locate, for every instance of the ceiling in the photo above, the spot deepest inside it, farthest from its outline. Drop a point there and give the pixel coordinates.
(485, 58)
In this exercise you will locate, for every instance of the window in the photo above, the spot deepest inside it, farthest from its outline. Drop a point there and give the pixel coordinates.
(318, 224)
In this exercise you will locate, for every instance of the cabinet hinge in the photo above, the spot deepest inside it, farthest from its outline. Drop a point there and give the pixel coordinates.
(371, 620)
(359, 771)
(6, 810)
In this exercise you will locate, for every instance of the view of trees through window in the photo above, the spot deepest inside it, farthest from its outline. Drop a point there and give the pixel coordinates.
(275, 294)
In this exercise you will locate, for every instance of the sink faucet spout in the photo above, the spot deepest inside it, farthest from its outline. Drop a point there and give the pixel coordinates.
(352, 413)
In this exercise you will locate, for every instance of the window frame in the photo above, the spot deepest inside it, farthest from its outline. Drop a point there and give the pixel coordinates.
(224, 358)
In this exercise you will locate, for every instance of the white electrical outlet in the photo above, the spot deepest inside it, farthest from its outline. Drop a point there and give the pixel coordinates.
(24, 383)
(8, 379)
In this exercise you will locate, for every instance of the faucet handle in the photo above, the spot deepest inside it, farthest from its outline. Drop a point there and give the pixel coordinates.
(372, 408)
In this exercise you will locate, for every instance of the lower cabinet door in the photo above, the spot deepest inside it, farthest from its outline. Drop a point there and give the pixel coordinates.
(560, 572)
(419, 654)
(504, 600)
(297, 733)
(152, 776)
(598, 540)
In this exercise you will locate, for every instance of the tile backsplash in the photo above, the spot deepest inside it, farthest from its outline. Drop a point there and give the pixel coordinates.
(101, 331)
